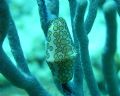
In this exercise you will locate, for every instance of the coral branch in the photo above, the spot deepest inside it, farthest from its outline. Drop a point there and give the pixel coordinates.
(85, 59)
(110, 49)
(43, 15)
(118, 6)
(19, 78)
(4, 19)
(53, 7)
(72, 4)
(78, 72)
(15, 75)
(92, 12)
(16, 47)
(47, 14)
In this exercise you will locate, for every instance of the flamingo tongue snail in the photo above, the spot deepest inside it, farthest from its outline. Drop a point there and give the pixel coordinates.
(60, 53)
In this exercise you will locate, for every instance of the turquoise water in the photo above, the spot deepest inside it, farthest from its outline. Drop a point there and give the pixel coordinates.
(32, 38)
(29, 28)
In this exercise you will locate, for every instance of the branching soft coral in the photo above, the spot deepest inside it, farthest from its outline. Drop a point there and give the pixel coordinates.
(68, 59)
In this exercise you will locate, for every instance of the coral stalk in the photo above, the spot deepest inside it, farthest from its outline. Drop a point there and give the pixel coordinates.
(4, 19)
(15, 75)
(110, 49)
(91, 15)
(118, 6)
(85, 58)
(43, 15)
(16, 47)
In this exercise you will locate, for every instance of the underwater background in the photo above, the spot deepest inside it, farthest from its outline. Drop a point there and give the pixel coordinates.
(26, 17)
